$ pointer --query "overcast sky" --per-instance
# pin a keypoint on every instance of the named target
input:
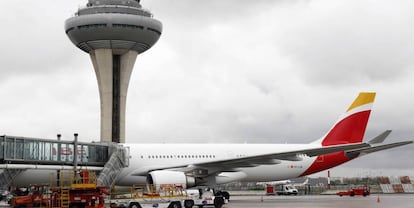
(223, 71)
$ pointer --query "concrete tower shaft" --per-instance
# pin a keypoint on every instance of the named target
(113, 32)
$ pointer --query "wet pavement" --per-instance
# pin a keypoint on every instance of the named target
(322, 201)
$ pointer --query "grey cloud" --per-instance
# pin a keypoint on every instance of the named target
(33, 38)
(350, 42)
(223, 71)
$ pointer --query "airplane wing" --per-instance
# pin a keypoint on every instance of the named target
(231, 165)
(376, 148)
(375, 145)
(356, 149)
(380, 138)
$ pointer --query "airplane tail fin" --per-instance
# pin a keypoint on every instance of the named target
(350, 128)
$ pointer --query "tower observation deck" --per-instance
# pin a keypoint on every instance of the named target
(113, 32)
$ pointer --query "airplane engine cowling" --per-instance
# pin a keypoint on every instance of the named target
(159, 178)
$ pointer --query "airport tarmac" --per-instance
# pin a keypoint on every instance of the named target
(321, 201)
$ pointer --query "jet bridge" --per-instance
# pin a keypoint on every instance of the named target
(18, 154)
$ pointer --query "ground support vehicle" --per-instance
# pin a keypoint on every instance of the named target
(159, 203)
(77, 190)
(143, 196)
(78, 196)
(206, 197)
(164, 196)
(286, 189)
(270, 190)
(37, 196)
(66, 190)
(356, 191)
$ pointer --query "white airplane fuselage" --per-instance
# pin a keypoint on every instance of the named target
(147, 157)
(160, 156)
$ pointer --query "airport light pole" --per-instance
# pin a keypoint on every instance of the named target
(113, 32)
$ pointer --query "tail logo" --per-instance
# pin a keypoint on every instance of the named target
(350, 128)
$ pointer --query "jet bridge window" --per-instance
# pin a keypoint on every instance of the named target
(19, 148)
(9, 150)
(97, 153)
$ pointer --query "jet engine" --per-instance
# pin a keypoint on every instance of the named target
(159, 178)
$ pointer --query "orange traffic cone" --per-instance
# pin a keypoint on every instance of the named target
(378, 199)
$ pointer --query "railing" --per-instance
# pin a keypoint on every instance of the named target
(149, 191)
(98, 9)
(119, 159)
(73, 179)
(22, 150)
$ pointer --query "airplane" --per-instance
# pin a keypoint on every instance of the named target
(264, 184)
(197, 165)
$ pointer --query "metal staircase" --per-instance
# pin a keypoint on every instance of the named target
(119, 159)
(7, 176)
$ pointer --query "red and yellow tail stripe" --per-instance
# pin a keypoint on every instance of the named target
(350, 128)
(364, 98)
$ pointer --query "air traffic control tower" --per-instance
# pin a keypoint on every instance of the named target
(113, 32)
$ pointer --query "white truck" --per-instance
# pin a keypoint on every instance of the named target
(286, 189)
